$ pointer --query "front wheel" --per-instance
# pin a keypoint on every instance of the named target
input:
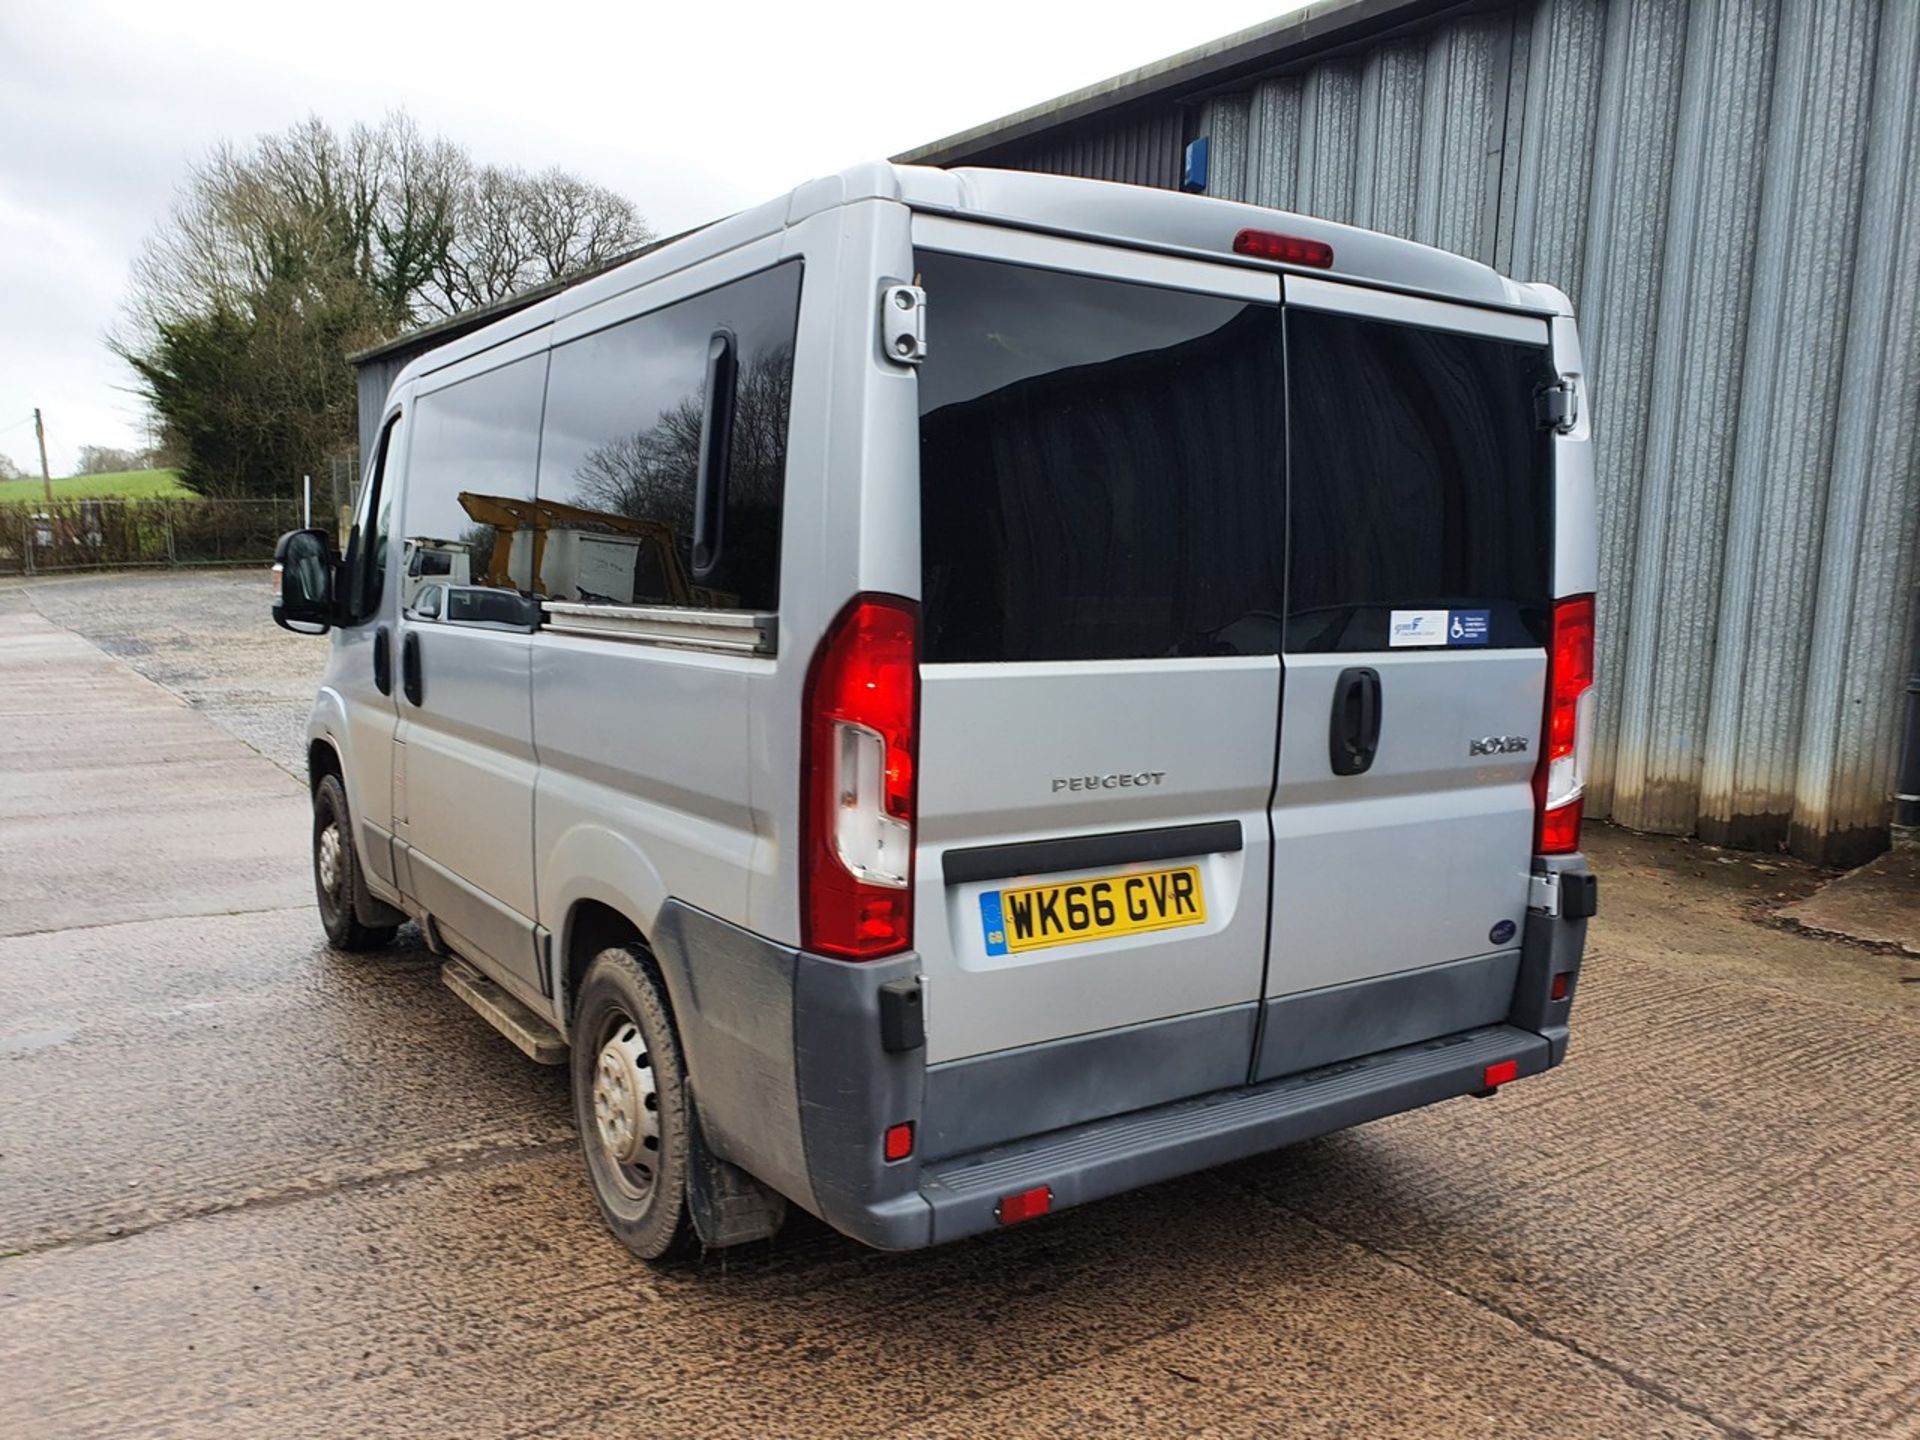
(335, 873)
(630, 1103)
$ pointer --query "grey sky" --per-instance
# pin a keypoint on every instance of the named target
(692, 110)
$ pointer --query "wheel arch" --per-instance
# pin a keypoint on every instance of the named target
(592, 924)
(327, 739)
(324, 759)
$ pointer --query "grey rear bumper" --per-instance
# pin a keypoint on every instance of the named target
(794, 1085)
(1087, 1162)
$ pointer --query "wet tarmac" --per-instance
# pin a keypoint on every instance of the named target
(250, 1186)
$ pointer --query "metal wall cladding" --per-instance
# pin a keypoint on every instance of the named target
(1729, 191)
(1146, 149)
(374, 379)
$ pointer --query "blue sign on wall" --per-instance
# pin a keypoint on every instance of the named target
(1193, 176)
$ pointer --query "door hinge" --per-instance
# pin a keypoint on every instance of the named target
(903, 323)
(1543, 892)
(1557, 406)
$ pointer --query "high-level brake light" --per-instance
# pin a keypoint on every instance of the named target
(1287, 249)
(862, 705)
(1560, 781)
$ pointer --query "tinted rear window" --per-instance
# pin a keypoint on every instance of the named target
(1419, 482)
(1101, 468)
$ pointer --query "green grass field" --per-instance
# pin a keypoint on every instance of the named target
(121, 485)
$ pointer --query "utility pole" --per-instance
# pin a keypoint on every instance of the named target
(40, 434)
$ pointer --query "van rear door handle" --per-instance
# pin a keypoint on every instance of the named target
(410, 681)
(383, 660)
(1353, 733)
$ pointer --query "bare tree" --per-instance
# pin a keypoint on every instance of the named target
(284, 256)
(107, 460)
(512, 231)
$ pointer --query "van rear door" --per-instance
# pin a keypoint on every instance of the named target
(1102, 535)
(1421, 544)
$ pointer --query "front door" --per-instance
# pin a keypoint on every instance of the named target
(361, 671)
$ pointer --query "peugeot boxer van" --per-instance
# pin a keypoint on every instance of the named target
(953, 694)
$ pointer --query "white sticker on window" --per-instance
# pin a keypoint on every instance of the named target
(1416, 627)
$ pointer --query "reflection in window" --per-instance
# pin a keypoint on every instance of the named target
(620, 453)
(470, 480)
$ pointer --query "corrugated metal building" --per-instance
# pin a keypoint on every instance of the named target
(1729, 190)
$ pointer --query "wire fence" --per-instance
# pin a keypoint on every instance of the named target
(38, 537)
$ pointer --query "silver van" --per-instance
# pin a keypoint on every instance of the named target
(957, 693)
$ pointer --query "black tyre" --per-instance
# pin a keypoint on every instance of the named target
(630, 1102)
(336, 874)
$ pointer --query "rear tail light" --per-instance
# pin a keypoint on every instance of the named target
(1560, 782)
(1287, 249)
(862, 708)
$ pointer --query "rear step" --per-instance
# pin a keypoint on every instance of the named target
(1105, 1157)
(538, 1040)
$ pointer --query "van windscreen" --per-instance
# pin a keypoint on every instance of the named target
(1101, 468)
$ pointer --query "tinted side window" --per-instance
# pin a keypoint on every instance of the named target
(367, 556)
(470, 473)
(620, 452)
(1100, 468)
(1419, 478)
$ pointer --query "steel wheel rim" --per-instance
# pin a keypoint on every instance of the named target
(327, 860)
(626, 1108)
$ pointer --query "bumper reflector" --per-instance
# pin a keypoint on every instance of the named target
(1500, 1072)
(1561, 983)
(898, 1144)
(1025, 1205)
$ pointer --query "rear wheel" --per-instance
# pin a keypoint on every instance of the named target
(335, 873)
(630, 1102)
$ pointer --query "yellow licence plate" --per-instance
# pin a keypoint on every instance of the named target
(1036, 916)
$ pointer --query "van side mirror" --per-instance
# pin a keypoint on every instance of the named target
(304, 568)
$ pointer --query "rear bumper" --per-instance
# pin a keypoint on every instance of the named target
(794, 1084)
(1106, 1157)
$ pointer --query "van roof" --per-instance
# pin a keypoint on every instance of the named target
(1198, 226)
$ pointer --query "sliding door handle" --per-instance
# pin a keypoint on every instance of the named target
(383, 660)
(410, 680)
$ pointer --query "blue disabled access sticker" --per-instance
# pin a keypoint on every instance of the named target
(1468, 627)
(992, 922)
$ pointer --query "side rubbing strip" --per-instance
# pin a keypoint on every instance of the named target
(1088, 852)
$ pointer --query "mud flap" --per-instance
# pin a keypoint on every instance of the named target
(729, 1206)
(368, 908)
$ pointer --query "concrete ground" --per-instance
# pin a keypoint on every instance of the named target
(250, 1186)
(1879, 903)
